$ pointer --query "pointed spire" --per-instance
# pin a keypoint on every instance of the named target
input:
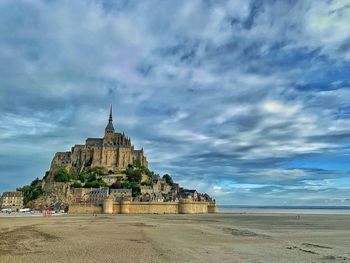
(110, 115)
(110, 121)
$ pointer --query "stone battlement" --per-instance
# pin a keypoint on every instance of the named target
(112, 207)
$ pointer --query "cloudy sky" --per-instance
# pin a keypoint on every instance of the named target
(246, 100)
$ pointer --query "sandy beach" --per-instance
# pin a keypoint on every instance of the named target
(176, 238)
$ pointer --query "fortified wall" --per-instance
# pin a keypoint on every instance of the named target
(112, 207)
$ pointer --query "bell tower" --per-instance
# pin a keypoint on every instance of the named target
(109, 130)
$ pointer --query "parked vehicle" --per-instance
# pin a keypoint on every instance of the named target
(24, 210)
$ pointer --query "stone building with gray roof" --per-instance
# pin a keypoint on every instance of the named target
(13, 200)
(114, 152)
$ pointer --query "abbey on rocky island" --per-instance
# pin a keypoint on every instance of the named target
(114, 152)
(107, 175)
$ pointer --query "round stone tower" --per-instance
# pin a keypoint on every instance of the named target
(108, 205)
(124, 207)
(185, 206)
(212, 208)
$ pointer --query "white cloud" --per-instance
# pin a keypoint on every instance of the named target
(328, 25)
(279, 108)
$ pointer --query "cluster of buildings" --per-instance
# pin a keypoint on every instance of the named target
(11, 200)
(158, 191)
(96, 196)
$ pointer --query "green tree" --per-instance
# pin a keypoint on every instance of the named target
(76, 185)
(32, 191)
(61, 175)
(134, 175)
(35, 182)
(73, 174)
(46, 174)
(168, 179)
(137, 163)
(135, 187)
(148, 172)
(36, 192)
(82, 176)
(92, 177)
(95, 184)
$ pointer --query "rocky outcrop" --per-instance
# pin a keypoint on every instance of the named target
(55, 194)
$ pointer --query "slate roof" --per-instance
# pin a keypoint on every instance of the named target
(12, 194)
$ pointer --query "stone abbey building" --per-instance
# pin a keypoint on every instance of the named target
(114, 152)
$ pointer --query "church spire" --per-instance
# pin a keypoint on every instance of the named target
(110, 116)
(110, 127)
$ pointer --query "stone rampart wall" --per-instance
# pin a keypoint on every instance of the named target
(212, 208)
(85, 209)
(145, 208)
(191, 207)
(110, 207)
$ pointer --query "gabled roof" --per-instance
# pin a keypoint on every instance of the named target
(120, 190)
(94, 139)
(12, 194)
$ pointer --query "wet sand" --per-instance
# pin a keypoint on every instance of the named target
(176, 238)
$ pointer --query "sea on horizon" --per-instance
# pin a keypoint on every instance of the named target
(341, 210)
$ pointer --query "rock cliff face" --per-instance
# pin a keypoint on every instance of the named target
(55, 194)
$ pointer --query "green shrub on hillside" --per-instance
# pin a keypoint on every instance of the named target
(46, 174)
(168, 179)
(137, 163)
(76, 185)
(61, 175)
(134, 175)
(96, 184)
(135, 187)
(147, 182)
(91, 177)
(82, 177)
(32, 191)
(35, 182)
(99, 170)
(73, 174)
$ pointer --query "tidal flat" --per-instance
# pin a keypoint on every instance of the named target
(176, 238)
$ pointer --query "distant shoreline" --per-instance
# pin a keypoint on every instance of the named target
(285, 209)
